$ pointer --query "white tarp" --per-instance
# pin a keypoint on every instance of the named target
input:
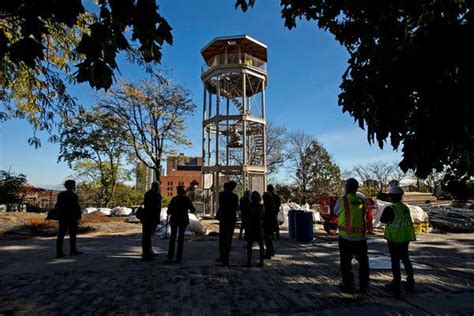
(418, 215)
(89, 210)
(286, 207)
(104, 211)
(121, 211)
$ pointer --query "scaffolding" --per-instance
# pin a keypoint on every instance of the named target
(234, 126)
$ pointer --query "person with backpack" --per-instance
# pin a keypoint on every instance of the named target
(69, 214)
(178, 220)
(150, 219)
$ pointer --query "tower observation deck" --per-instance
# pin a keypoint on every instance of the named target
(233, 122)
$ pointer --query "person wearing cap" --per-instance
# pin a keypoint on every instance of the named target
(69, 215)
(399, 232)
(227, 216)
(350, 209)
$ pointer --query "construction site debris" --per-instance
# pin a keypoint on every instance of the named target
(452, 219)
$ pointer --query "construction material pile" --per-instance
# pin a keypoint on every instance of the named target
(452, 219)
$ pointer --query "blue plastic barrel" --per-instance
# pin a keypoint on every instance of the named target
(304, 230)
(291, 223)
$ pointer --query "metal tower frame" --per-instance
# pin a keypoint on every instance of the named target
(233, 122)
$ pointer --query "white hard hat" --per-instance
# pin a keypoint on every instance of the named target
(395, 190)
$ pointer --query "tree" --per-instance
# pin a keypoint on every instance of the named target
(153, 116)
(13, 188)
(314, 172)
(325, 175)
(299, 163)
(375, 176)
(92, 135)
(90, 175)
(408, 77)
(40, 41)
(276, 147)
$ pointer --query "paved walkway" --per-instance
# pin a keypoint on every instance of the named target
(109, 278)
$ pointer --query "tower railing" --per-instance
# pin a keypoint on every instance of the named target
(234, 59)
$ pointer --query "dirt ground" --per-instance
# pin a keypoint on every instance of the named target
(29, 225)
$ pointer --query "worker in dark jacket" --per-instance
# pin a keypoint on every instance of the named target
(253, 228)
(277, 202)
(268, 224)
(179, 219)
(151, 218)
(227, 216)
(69, 216)
(244, 207)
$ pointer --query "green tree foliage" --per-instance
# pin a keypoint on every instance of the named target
(96, 181)
(325, 175)
(43, 43)
(153, 115)
(314, 172)
(92, 135)
(409, 74)
(12, 187)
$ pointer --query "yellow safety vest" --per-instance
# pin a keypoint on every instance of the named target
(401, 229)
(351, 217)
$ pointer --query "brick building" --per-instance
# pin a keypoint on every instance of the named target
(180, 170)
(41, 198)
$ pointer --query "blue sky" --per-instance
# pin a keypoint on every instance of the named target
(305, 66)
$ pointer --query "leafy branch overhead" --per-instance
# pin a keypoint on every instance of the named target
(100, 40)
(409, 74)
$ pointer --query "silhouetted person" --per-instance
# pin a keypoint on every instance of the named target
(244, 207)
(268, 224)
(69, 216)
(179, 219)
(277, 202)
(253, 228)
(350, 209)
(151, 218)
(399, 232)
(227, 216)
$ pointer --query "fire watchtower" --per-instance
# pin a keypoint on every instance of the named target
(234, 125)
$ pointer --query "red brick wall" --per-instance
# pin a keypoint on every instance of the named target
(178, 177)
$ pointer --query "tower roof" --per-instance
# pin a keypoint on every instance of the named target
(246, 43)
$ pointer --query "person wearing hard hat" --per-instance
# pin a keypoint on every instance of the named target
(399, 232)
(350, 209)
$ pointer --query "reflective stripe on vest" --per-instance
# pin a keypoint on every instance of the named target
(401, 229)
(351, 218)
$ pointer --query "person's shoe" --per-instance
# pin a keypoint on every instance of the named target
(148, 258)
(396, 291)
(75, 253)
(362, 291)
(260, 264)
(409, 287)
(346, 289)
(60, 255)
